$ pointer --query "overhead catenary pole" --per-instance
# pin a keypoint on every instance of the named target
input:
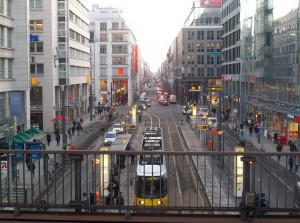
(63, 115)
(91, 103)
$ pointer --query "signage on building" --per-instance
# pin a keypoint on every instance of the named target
(33, 38)
(290, 116)
(226, 77)
(238, 172)
(15, 103)
(210, 3)
(297, 119)
(3, 166)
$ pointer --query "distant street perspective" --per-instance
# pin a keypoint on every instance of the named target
(91, 131)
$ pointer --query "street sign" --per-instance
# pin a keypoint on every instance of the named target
(3, 166)
(215, 88)
(129, 126)
(202, 127)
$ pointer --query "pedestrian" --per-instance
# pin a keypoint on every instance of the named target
(140, 118)
(57, 137)
(102, 131)
(78, 128)
(132, 157)
(291, 163)
(27, 160)
(297, 162)
(81, 121)
(120, 199)
(48, 137)
(110, 117)
(275, 137)
(279, 149)
(73, 129)
(70, 132)
(32, 168)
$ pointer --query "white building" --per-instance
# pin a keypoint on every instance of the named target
(115, 56)
(59, 59)
(14, 69)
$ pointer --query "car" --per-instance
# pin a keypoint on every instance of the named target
(212, 122)
(110, 137)
(185, 111)
(163, 102)
(147, 103)
(118, 127)
(202, 112)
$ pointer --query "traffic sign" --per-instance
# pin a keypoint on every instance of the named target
(129, 126)
(202, 127)
(215, 88)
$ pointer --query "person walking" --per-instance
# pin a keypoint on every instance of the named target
(140, 119)
(27, 160)
(48, 137)
(32, 168)
(297, 162)
(279, 149)
(70, 132)
(78, 128)
(132, 157)
(110, 117)
(291, 163)
(57, 138)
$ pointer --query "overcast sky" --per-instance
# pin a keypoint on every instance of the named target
(155, 23)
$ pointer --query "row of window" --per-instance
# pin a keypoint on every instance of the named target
(8, 8)
(114, 26)
(208, 47)
(229, 8)
(35, 4)
(205, 35)
(232, 39)
(202, 72)
(78, 54)
(5, 68)
(116, 49)
(115, 71)
(231, 23)
(78, 21)
(79, 6)
(79, 71)
(5, 38)
(78, 37)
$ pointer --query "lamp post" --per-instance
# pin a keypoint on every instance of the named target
(94, 163)
(8, 135)
(221, 133)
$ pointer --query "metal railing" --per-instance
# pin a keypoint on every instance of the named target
(198, 182)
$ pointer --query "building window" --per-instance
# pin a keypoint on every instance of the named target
(103, 37)
(103, 49)
(36, 4)
(210, 35)
(103, 26)
(210, 59)
(37, 69)
(103, 60)
(103, 71)
(36, 25)
(200, 35)
(200, 59)
(2, 101)
(36, 47)
(210, 71)
(119, 49)
(1, 68)
(200, 71)
(119, 60)
(115, 26)
(119, 37)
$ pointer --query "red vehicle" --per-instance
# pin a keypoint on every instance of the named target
(163, 102)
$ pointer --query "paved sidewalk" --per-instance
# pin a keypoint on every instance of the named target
(77, 140)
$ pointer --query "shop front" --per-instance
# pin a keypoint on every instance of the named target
(292, 127)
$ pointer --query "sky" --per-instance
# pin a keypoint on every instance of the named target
(155, 24)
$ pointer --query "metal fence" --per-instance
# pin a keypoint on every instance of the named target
(197, 182)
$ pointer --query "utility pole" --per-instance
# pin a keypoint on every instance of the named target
(91, 103)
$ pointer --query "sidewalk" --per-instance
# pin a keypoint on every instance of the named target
(37, 183)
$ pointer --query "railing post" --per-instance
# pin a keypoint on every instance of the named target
(77, 158)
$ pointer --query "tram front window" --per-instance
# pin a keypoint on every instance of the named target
(151, 187)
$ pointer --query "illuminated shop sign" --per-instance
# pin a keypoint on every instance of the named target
(210, 3)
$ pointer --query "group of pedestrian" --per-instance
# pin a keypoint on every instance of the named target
(115, 196)
(294, 162)
(77, 126)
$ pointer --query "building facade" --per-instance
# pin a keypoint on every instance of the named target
(14, 69)
(59, 61)
(194, 59)
(118, 68)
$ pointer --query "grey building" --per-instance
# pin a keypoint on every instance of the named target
(195, 56)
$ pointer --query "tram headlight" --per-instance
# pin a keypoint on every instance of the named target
(160, 202)
(141, 202)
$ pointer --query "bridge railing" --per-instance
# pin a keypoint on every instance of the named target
(196, 182)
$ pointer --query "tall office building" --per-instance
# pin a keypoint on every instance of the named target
(59, 61)
(14, 68)
(195, 56)
(117, 63)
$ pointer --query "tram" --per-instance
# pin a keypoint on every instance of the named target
(151, 188)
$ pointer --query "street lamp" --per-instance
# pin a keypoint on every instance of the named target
(221, 133)
(94, 163)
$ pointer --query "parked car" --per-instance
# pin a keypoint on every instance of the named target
(185, 111)
(118, 127)
(110, 137)
(147, 103)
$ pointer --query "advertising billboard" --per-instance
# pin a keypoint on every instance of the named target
(210, 3)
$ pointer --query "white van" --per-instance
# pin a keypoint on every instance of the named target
(172, 99)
